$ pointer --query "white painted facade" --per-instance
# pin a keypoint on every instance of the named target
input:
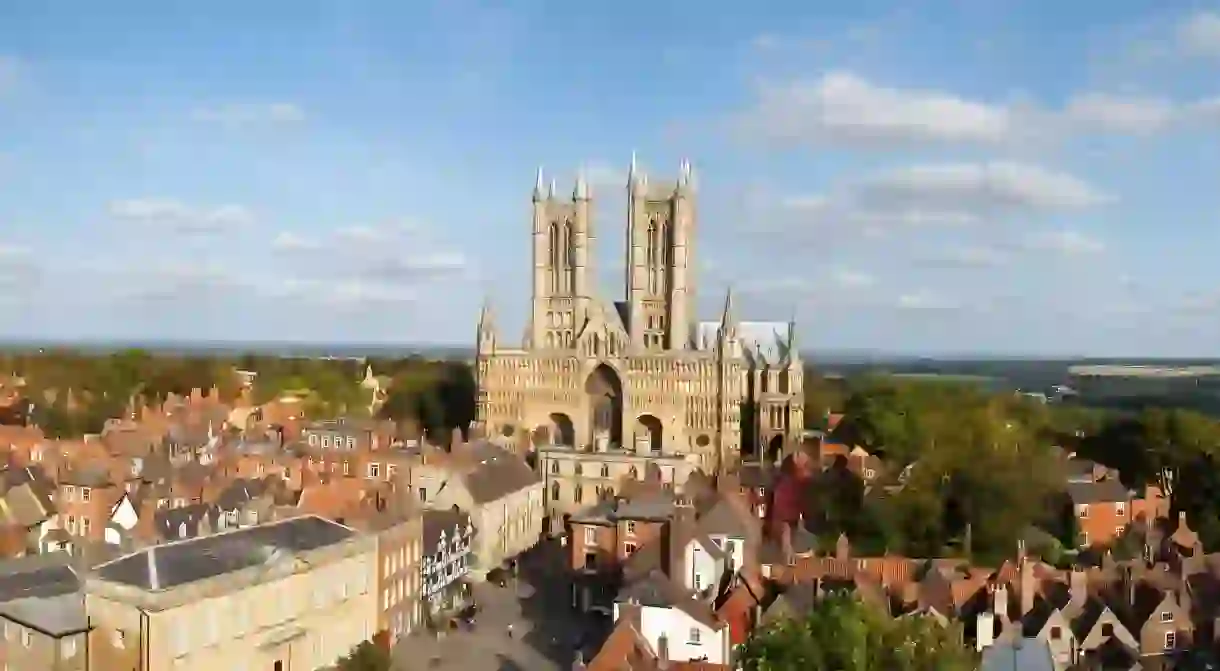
(685, 637)
(123, 516)
(703, 568)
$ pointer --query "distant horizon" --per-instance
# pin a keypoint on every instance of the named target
(358, 348)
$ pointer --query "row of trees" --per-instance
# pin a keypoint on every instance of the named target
(74, 393)
(964, 472)
(842, 633)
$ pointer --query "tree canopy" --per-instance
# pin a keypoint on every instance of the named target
(842, 633)
(367, 656)
(965, 472)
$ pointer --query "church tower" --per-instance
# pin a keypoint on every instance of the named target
(562, 237)
(660, 236)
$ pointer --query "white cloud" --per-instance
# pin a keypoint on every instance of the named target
(844, 109)
(925, 300)
(246, 114)
(1199, 34)
(292, 242)
(852, 279)
(980, 187)
(965, 257)
(346, 293)
(363, 234)
(1067, 242)
(1130, 115)
(176, 216)
(841, 107)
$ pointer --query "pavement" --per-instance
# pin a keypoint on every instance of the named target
(545, 629)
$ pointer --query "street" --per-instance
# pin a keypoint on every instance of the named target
(545, 629)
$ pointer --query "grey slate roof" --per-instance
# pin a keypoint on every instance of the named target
(1108, 490)
(43, 592)
(497, 474)
(210, 556)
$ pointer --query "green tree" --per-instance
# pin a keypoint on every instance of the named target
(367, 656)
(844, 634)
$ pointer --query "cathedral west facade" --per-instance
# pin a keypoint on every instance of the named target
(641, 375)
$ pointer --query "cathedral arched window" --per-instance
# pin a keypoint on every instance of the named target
(578, 494)
(783, 382)
(605, 471)
(652, 243)
(555, 467)
(554, 491)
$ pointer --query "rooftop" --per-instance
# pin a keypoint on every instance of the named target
(43, 592)
(175, 564)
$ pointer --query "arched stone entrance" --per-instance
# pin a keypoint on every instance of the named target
(561, 429)
(605, 392)
(648, 434)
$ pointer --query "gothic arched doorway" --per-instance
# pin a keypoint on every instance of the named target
(605, 392)
(775, 449)
(562, 432)
(648, 434)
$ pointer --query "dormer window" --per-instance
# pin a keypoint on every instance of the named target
(1166, 616)
(1120, 508)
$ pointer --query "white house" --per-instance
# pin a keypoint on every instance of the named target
(678, 625)
(717, 548)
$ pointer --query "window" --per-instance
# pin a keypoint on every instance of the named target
(423, 494)
(118, 638)
(84, 526)
(590, 536)
(72, 523)
(629, 549)
(1107, 629)
(313, 439)
(698, 582)
(1082, 511)
(347, 468)
(1166, 616)
(85, 492)
(351, 443)
(1171, 640)
(182, 530)
(631, 528)
(869, 474)
(605, 471)
(374, 470)
(69, 492)
(694, 636)
(578, 493)
(1120, 508)
(1056, 633)
(554, 491)
(27, 638)
(555, 467)
(326, 441)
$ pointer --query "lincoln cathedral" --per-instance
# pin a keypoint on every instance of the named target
(641, 374)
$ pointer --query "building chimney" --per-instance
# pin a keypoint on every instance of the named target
(663, 651)
(1078, 587)
(154, 581)
(984, 630)
(1026, 585)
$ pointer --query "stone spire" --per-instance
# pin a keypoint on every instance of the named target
(581, 191)
(538, 186)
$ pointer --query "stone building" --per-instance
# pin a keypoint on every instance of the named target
(641, 373)
(296, 594)
(500, 492)
(577, 479)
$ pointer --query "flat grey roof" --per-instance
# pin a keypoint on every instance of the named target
(174, 564)
(44, 593)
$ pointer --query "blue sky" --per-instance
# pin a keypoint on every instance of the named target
(976, 176)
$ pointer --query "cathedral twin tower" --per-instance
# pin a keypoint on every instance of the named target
(638, 374)
(660, 222)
